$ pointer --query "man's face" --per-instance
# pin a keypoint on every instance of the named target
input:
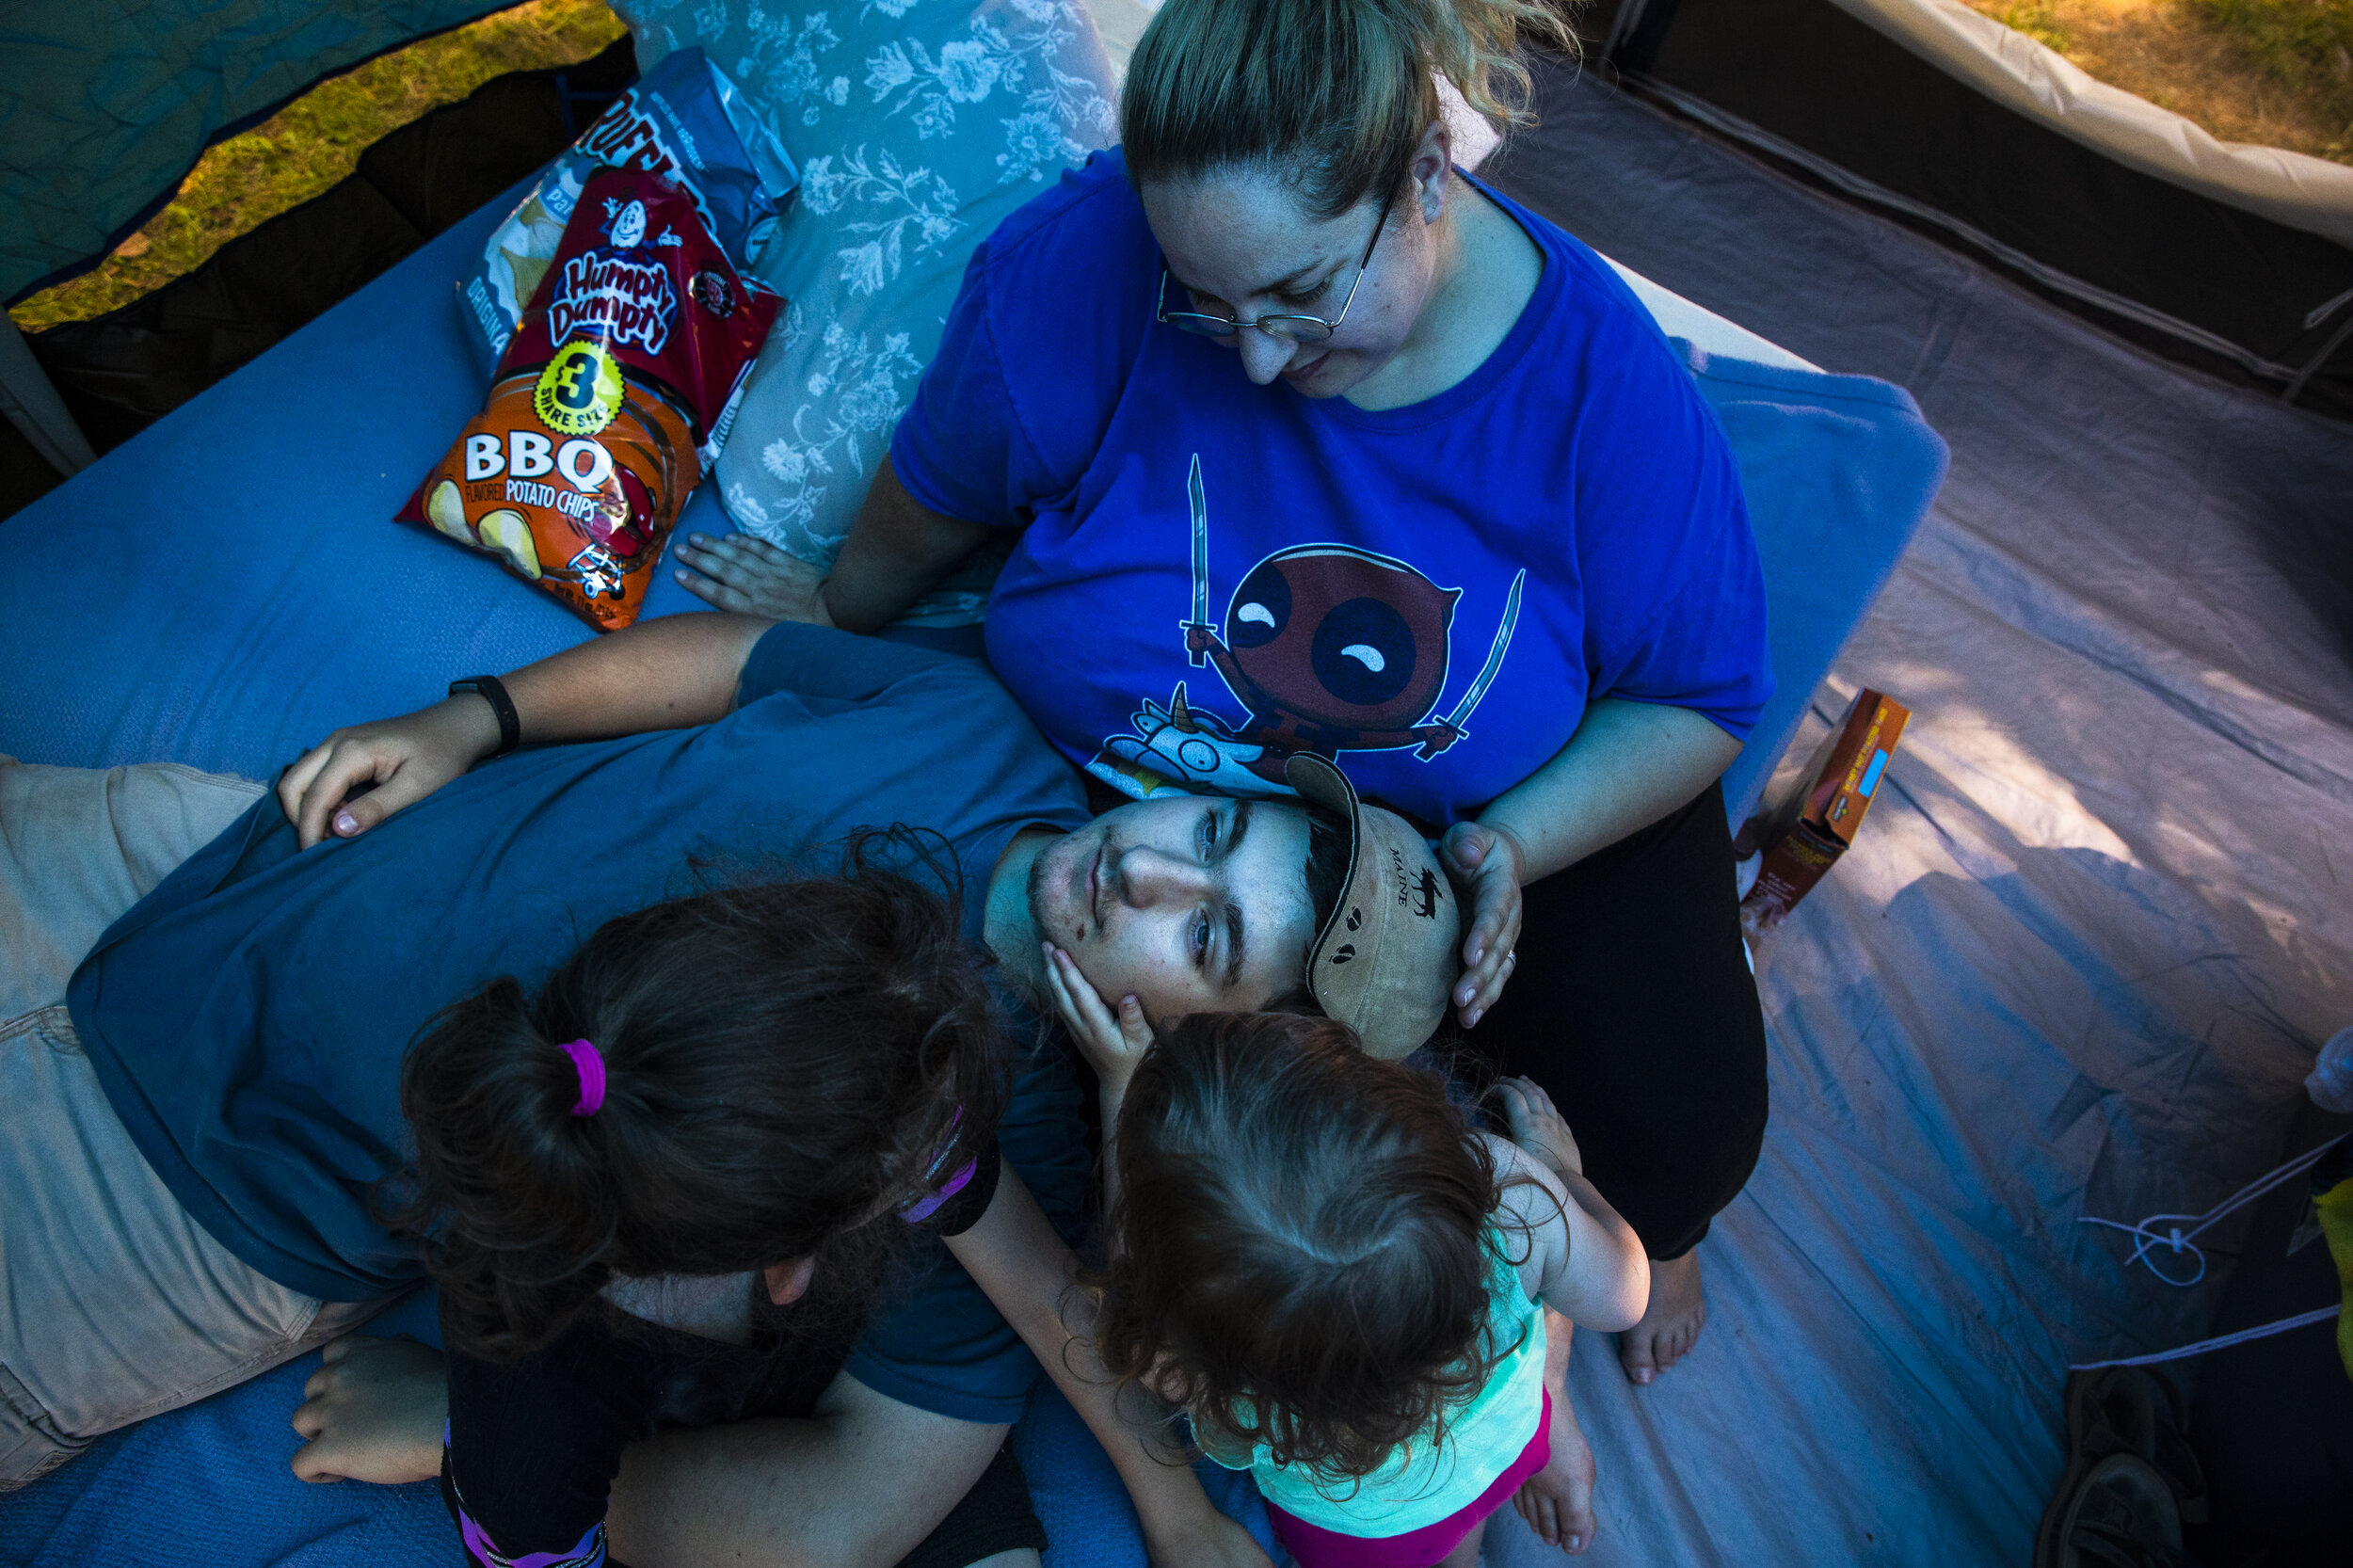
(1187, 904)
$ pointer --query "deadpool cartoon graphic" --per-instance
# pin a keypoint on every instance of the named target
(1328, 647)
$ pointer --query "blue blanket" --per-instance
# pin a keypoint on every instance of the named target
(227, 588)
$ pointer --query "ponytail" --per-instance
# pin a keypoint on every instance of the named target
(783, 1064)
(488, 1098)
(1332, 95)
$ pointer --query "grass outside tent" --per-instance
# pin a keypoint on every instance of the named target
(2274, 72)
(316, 140)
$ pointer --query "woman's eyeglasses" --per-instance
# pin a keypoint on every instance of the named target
(1285, 326)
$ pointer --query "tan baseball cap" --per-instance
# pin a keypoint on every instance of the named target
(1386, 961)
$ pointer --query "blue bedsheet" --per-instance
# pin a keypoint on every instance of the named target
(213, 1484)
(228, 586)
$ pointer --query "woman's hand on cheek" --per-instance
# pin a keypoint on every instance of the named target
(1484, 865)
(1113, 1042)
(751, 577)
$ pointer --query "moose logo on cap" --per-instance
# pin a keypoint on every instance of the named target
(1418, 889)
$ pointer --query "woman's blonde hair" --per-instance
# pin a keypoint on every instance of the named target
(1332, 96)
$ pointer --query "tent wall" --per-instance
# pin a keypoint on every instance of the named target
(118, 372)
(107, 105)
(2303, 192)
(1810, 86)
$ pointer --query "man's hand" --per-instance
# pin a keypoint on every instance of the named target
(397, 763)
(1112, 1043)
(1207, 1539)
(1485, 865)
(751, 577)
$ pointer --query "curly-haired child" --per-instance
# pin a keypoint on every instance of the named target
(1340, 1280)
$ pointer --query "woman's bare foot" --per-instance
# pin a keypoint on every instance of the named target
(1558, 1500)
(374, 1413)
(1671, 1324)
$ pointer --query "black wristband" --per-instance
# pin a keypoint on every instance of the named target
(491, 692)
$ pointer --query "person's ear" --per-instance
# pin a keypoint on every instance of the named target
(1433, 159)
(788, 1281)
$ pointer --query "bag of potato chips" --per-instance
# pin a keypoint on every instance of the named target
(609, 404)
(684, 118)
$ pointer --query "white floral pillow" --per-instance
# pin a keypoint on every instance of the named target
(918, 126)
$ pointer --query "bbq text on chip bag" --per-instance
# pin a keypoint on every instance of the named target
(612, 399)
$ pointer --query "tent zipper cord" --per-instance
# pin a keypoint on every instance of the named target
(2318, 1315)
(2179, 1241)
(2336, 341)
(1733, 128)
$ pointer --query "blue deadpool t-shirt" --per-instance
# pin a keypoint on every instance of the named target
(1216, 574)
(248, 1017)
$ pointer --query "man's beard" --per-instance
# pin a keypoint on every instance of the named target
(1083, 912)
(1027, 978)
(1034, 888)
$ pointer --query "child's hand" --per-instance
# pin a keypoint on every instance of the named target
(1112, 1042)
(1537, 1127)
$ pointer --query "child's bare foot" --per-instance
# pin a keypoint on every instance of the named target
(374, 1413)
(1671, 1324)
(1538, 1127)
(1558, 1500)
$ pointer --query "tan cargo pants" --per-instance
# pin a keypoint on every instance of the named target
(114, 1304)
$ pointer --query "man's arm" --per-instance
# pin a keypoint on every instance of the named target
(858, 1485)
(662, 674)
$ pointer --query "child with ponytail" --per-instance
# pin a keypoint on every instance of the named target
(664, 1188)
(1343, 1284)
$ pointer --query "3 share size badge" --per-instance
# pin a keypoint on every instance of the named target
(580, 390)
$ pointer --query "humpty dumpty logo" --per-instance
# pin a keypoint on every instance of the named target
(1329, 647)
(628, 229)
(605, 291)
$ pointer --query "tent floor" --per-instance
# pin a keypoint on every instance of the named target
(2090, 940)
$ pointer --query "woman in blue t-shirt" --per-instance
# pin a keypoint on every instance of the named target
(1317, 443)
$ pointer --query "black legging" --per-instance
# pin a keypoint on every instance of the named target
(1633, 1005)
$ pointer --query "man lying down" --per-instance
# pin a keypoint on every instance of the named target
(192, 1190)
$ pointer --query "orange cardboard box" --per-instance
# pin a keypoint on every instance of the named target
(1816, 825)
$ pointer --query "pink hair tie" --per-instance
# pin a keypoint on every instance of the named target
(590, 1066)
